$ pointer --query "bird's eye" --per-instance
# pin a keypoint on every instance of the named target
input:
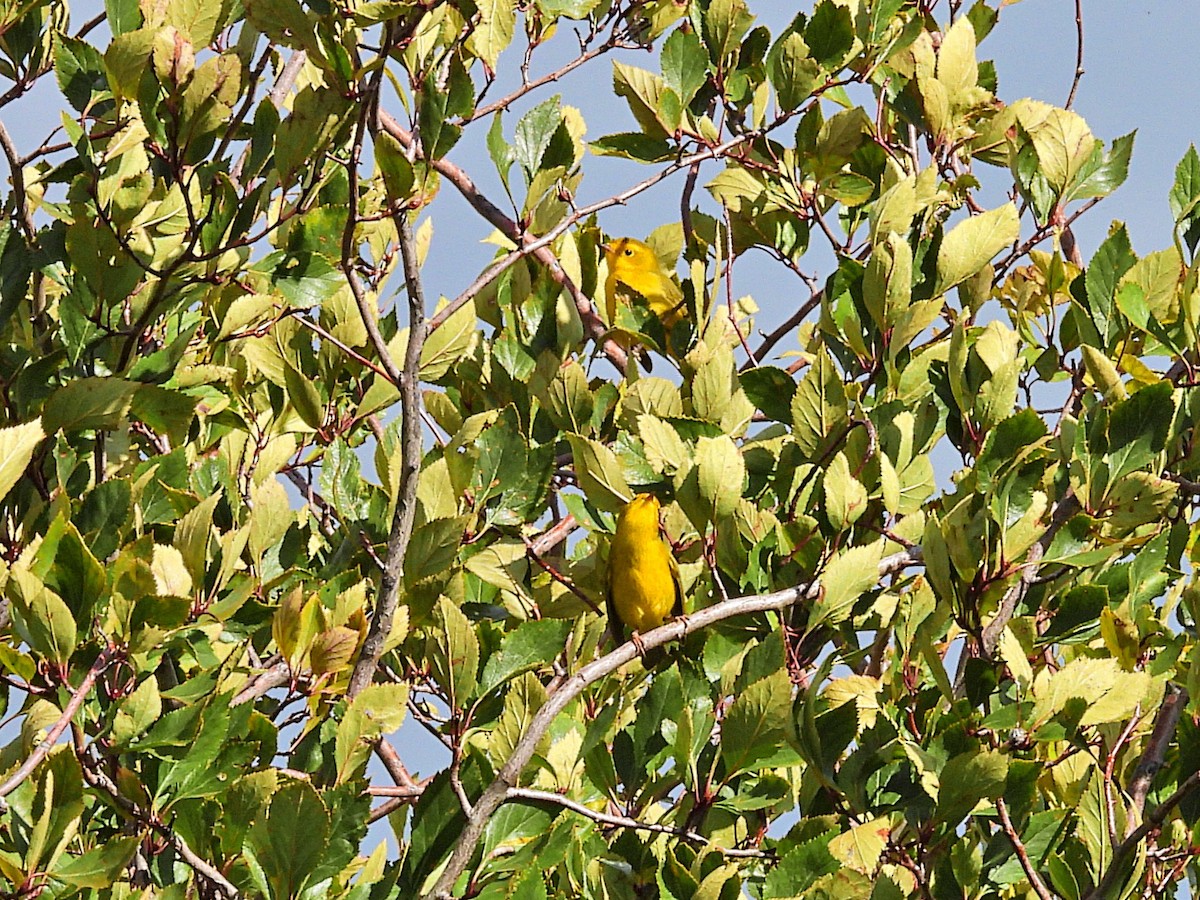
(629, 251)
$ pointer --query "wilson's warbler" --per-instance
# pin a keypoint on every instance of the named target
(633, 268)
(643, 577)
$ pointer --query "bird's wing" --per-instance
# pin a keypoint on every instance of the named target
(677, 607)
(615, 625)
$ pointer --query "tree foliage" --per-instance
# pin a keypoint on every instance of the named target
(273, 498)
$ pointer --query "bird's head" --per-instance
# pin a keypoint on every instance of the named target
(641, 507)
(629, 255)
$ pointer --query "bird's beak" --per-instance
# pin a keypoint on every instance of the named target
(607, 248)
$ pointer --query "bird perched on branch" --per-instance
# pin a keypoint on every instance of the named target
(643, 577)
(634, 270)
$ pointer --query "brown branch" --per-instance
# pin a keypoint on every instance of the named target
(345, 348)
(506, 102)
(276, 676)
(1154, 820)
(1027, 866)
(788, 324)
(560, 577)
(1165, 723)
(24, 214)
(554, 535)
(508, 776)
(410, 468)
(535, 796)
(97, 778)
(404, 793)
(107, 657)
(989, 638)
(1078, 54)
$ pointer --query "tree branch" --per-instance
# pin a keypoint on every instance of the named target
(410, 469)
(1078, 54)
(1027, 866)
(535, 796)
(1165, 723)
(276, 676)
(497, 792)
(1154, 820)
(107, 657)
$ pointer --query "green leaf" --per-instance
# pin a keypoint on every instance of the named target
(600, 474)
(290, 840)
(525, 696)
(830, 33)
(534, 132)
(376, 710)
(725, 24)
(1104, 172)
(793, 72)
(684, 64)
(972, 244)
(41, 617)
(818, 406)
(1138, 429)
(16, 449)
(454, 652)
(642, 90)
(968, 778)
(851, 573)
(757, 724)
(97, 868)
(79, 70)
(304, 397)
(494, 32)
(845, 495)
(634, 145)
(395, 166)
(770, 390)
(528, 646)
(88, 403)
(710, 491)
(502, 153)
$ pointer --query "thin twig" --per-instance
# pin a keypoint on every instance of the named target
(535, 796)
(506, 102)
(1078, 53)
(1035, 879)
(791, 322)
(107, 657)
(497, 792)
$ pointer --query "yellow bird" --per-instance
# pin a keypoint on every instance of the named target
(633, 268)
(643, 577)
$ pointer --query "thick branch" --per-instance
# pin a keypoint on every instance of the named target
(410, 468)
(497, 792)
(1165, 723)
(106, 658)
(1121, 853)
(276, 676)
